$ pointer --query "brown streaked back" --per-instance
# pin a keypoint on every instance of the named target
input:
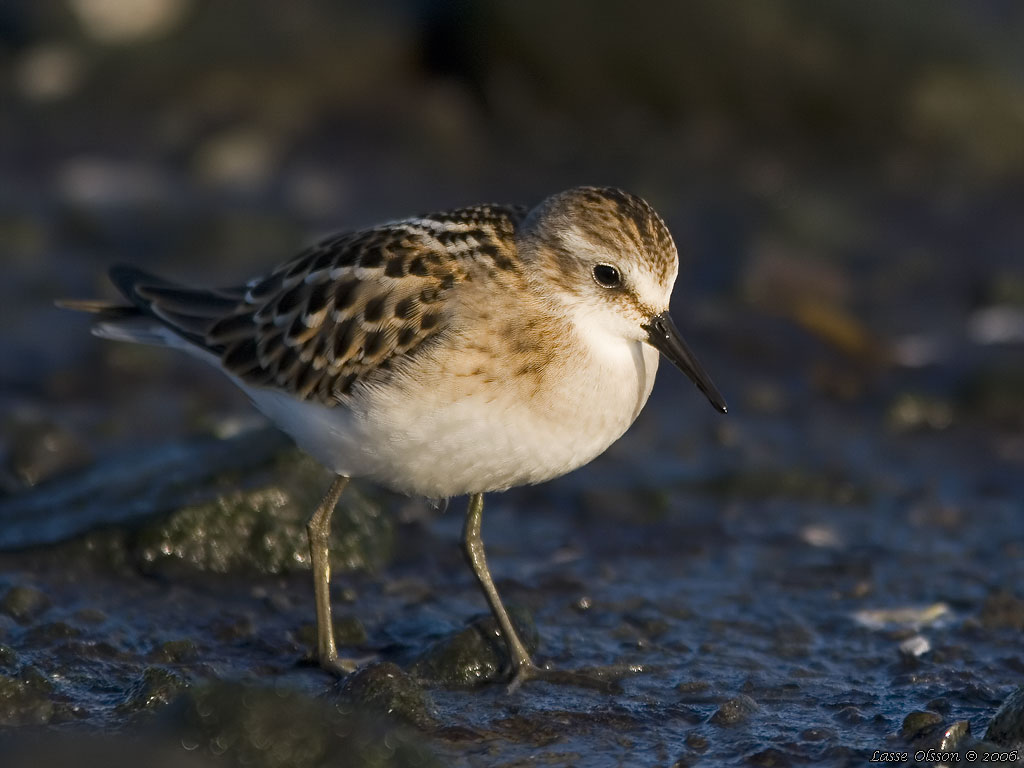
(341, 312)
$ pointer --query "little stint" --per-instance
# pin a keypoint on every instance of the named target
(452, 353)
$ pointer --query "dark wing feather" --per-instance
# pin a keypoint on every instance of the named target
(341, 312)
(189, 312)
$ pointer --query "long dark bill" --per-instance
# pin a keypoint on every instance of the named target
(663, 335)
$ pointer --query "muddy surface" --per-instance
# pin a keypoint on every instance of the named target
(772, 616)
(831, 570)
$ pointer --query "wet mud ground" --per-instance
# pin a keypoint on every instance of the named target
(858, 596)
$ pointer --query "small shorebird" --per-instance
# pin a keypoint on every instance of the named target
(452, 353)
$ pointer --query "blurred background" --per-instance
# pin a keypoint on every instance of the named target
(844, 180)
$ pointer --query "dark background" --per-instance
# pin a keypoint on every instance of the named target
(853, 169)
(844, 180)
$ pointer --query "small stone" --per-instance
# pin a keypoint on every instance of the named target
(940, 705)
(697, 742)
(474, 655)
(734, 711)
(954, 735)
(917, 723)
(385, 688)
(22, 703)
(156, 688)
(583, 604)
(263, 530)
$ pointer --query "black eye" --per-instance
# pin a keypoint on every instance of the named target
(607, 276)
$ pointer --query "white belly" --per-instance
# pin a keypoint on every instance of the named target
(428, 439)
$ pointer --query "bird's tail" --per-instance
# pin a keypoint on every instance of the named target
(160, 313)
(122, 323)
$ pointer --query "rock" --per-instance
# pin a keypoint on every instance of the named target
(386, 689)
(1007, 726)
(918, 723)
(264, 530)
(24, 703)
(697, 742)
(476, 654)
(155, 689)
(954, 735)
(734, 711)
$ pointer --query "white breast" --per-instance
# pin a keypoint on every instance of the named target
(441, 438)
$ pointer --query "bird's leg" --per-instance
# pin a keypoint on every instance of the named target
(319, 530)
(523, 668)
(474, 548)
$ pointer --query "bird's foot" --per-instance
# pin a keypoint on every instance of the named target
(341, 667)
(529, 672)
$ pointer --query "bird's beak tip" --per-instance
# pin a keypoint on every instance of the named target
(665, 337)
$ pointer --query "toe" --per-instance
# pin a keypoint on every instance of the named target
(530, 672)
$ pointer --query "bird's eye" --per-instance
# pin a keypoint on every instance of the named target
(607, 276)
